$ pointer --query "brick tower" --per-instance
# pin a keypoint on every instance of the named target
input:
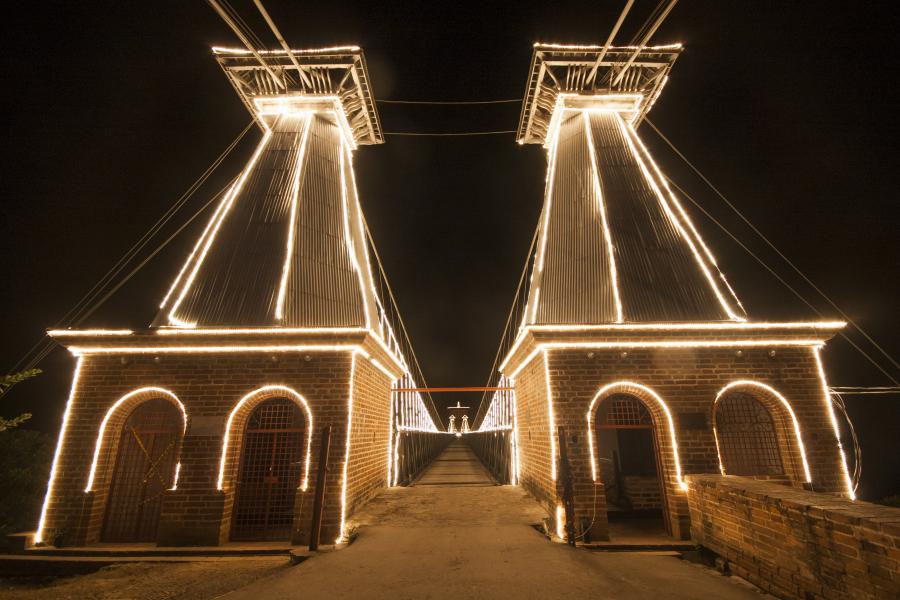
(205, 427)
(632, 340)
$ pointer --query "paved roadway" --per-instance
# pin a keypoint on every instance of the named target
(457, 535)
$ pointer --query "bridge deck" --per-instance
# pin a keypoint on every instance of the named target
(456, 534)
(457, 465)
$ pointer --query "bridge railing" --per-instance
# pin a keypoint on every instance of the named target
(495, 442)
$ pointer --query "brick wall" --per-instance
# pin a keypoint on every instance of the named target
(370, 440)
(209, 386)
(797, 544)
(534, 434)
(688, 381)
(643, 492)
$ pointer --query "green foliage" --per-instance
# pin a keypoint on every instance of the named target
(6, 382)
(25, 457)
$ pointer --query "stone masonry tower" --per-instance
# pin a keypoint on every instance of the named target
(632, 339)
(205, 427)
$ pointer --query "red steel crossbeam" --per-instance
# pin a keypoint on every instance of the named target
(454, 389)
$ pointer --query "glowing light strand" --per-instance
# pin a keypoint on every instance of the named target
(235, 190)
(342, 534)
(267, 391)
(51, 483)
(595, 176)
(551, 418)
(149, 392)
(628, 387)
(674, 219)
(848, 482)
(292, 220)
(683, 213)
(787, 405)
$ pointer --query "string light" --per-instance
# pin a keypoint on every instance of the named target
(654, 344)
(51, 484)
(149, 391)
(613, 274)
(86, 332)
(701, 326)
(848, 482)
(555, 46)
(627, 387)
(560, 522)
(682, 212)
(226, 50)
(674, 219)
(342, 534)
(771, 391)
(351, 250)
(292, 222)
(269, 391)
(226, 207)
(551, 418)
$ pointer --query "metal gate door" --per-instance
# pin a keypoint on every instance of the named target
(269, 474)
(145, 467)
(746, 435)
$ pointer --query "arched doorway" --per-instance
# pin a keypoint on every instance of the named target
(629, 467)
(146, 464)
(745, 432)
(271, 465)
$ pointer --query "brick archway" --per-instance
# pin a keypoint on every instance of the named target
(663, 424)
(232, 440)
(675, 510)
(106, 448)
(787, 428)
(111, 428)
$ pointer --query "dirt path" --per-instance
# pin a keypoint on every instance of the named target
(149, 581)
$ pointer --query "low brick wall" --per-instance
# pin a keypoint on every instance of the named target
(794, 543)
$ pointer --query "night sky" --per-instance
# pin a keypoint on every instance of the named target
(112, 109)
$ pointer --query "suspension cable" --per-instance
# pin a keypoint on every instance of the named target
(396, 309)
(509, 318)
(49, 345)
(778, 277)
(771, 245)
(96, 289)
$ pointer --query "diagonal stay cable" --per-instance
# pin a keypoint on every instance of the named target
(779, 278)
(771, 245)
(396, 309)
(49, 345)
(512, 310)
(96, 289)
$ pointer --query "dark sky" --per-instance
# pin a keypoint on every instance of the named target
(112, 109)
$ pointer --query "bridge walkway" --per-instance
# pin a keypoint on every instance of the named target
(455, 533)
(456, 466)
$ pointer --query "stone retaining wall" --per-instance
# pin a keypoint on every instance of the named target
(797, 544)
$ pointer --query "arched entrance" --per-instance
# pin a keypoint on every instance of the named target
(270, 471)
(745, 432)
(629, 465)
(146, 464)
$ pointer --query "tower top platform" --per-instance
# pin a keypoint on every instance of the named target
(337, 74)
(559, 73)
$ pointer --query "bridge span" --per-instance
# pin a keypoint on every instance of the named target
(456, 533)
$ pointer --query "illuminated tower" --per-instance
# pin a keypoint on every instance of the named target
(270, 331)
(631, 337)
